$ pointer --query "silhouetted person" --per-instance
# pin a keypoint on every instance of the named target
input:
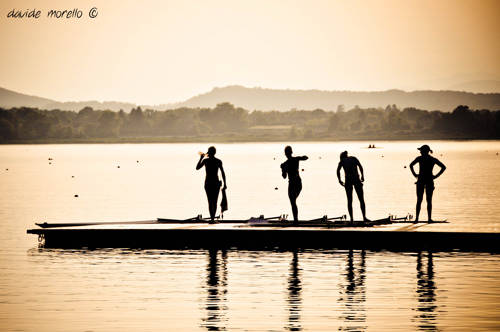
(425, 178)
(212, 182)
(350, 165)
(290, 168)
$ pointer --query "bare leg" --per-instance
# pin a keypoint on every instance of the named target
(359, 192)
(212, 197)
(295, 210)
(293, 193)
(429, 190)
(348, 191)
(212, 208)
(420, 197)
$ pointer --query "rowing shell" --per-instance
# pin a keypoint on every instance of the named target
(259, 221)
(340, 223)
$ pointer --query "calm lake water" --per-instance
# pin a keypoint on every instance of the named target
(234, 290)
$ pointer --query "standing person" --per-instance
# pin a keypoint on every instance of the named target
(350, 165)
(290, 168)
(425, 178)
(212, 182)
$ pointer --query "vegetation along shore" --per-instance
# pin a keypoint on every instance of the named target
(228, 123)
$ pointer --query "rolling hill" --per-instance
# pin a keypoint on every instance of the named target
(9, 99)
(282, 100)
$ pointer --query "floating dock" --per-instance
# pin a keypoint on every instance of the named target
(227, 235)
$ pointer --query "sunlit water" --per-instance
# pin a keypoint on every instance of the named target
(120, 289)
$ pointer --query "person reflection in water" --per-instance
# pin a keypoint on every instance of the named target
(294, 294)
(425, 178)
(426, 291)
(212, 182)
(350, 165)
(353, 296)
(216, 291)
(290, 168)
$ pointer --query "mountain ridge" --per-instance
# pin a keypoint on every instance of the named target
(264, 99)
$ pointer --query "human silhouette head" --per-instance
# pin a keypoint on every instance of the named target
(424, 149)
(343, 155)
(211, 151)
(288, 151)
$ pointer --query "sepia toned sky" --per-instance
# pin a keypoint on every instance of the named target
(153, 52)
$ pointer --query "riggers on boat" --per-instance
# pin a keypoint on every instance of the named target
(278, 221)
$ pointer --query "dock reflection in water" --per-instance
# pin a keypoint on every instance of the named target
(297, 290)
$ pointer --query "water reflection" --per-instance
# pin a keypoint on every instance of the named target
(353, 294)
(294, 295)
(217, 291)
(426, 294)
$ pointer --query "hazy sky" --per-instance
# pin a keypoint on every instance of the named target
(154, 52)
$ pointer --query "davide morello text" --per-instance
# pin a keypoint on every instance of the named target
(68, 14)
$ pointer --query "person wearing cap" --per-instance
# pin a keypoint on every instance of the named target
(290, 168)
(425, 178)
(350, 164)
(212, 182)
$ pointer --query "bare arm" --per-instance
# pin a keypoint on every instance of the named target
(283, 171)
(223, 175)
(411, 168)
(361, 170)
(441, 171)
(338, 174)
(303, 158)
(201, 162)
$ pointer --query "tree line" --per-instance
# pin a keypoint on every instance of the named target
(226, 120)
